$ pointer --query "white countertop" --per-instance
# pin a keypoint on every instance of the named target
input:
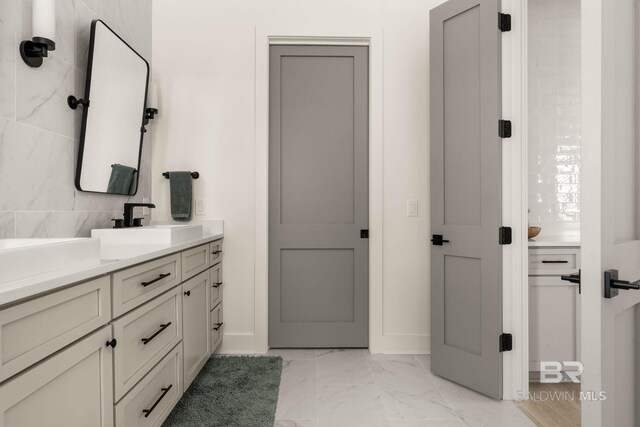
(555, 241)
(113, 258)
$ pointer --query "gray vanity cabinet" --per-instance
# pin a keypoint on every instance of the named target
(195, 337)
(118, 349)
(74, 388)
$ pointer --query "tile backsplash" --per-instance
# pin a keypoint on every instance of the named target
(39, 132)
(554, 112)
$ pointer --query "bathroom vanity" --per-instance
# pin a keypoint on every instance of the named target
(110, 343)
(554, 304)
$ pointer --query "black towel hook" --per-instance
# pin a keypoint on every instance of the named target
(194, 175)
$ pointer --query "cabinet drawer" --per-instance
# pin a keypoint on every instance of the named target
(215, 251)
(216, 326)
(33, 330)
(553, 261)
(194, 261)
(71, 389)
(136, 285)
(151, 400)
(144, 336)
(215, 275)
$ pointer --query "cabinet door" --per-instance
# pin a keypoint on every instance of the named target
(72, 389)
(554, 310)
(195, 323)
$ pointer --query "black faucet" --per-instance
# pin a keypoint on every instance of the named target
(128, 213)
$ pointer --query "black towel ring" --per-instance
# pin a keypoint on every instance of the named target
(194, 175)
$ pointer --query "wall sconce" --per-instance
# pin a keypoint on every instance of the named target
(43, 33)
(152, 102)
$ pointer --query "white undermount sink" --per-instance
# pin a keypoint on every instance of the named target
(148, 235)
(22, 258)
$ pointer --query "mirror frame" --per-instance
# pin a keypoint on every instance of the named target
(87, 108)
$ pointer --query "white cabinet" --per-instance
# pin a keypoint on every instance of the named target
(216, 324)
(144, 336)
(194, 261)
(195, 336)
(151, 400)
(158, 320)
(74, 388)
(33, 330)
(554, 306)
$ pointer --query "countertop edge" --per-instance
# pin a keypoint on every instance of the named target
(16, 291)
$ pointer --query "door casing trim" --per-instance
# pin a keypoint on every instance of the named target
(368, 36)
(515, 189)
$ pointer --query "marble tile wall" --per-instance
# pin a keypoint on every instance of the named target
(554, 112)
(39, 132)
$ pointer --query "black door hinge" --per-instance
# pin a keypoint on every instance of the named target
(506, 342)
(504, 128)
(504, 22)
(504, 235)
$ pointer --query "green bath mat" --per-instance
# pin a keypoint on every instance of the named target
(231, 391)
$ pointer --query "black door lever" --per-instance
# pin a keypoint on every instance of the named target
(574, 278)
(612, 284)
(438, 240)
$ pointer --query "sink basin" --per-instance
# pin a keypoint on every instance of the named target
(148, 235)
(22, 258)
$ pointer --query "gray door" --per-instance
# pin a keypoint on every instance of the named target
(466, 272)
(318, 196)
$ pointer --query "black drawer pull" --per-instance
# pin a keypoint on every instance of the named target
(155, 334)
(112, 343)
(188, 293)
(216, 252)
(217, 285)
(219, 325)
(164, 391)
(151, 282)
(544, 261)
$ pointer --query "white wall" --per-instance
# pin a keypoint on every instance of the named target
(554, 115)
(204, 56)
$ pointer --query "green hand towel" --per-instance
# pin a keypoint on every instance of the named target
(180, 184)
(122, 179)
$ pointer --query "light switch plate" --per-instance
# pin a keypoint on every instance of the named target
(201, 207)
(412, 207)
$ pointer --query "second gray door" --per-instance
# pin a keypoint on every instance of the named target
(318, 196)
(466, 188)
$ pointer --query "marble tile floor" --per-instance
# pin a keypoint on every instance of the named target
(353, 388)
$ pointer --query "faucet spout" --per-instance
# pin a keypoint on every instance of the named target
(128, 212)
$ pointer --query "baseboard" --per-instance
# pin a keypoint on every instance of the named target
(240, 344)
(401, 344)
(386, 344)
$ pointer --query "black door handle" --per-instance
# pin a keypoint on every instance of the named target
(612, 284)
(188, 293)
(216, 252)
(438, 240)
(218, 325)
(574, 278)
(544, 261)
(217, 284)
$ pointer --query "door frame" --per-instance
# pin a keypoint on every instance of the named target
(515, 195)
(325, 35)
